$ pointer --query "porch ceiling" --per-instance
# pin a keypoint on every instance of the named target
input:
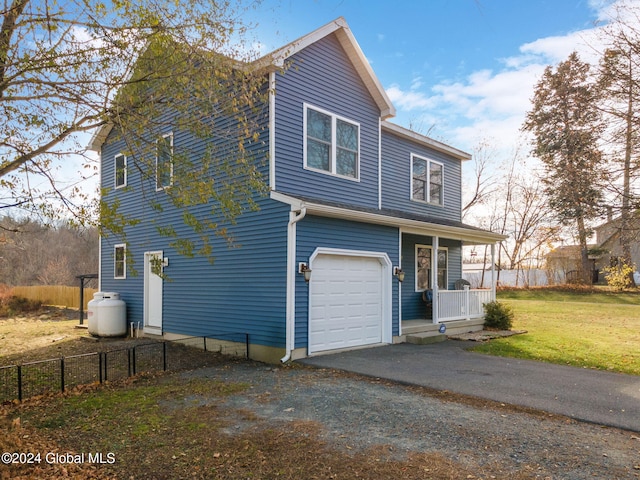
(406, 222)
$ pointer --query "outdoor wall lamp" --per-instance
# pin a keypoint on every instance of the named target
(304, 269)
(397, 271)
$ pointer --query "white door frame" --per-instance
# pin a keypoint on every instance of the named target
(153, 298)
(386, 278)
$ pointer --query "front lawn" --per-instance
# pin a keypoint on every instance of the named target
(592, 330)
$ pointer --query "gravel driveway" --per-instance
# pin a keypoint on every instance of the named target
(358, 412)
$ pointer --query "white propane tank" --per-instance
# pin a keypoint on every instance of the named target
(93, 312)
(112, 321)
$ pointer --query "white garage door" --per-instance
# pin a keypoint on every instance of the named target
(345, 302)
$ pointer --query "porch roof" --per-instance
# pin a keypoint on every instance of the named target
(406, 221)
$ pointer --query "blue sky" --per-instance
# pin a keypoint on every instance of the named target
(460, 71)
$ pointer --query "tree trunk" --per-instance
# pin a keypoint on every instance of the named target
(585, 266)
(625, 224)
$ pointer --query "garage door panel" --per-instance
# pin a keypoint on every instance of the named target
(345, 300)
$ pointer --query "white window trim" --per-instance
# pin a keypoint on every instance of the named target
(332, 160)
(429, 162)
(115, 171)
(115, 249)
(430, 247)
(162, 187)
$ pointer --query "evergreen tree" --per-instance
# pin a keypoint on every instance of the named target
(566, 125)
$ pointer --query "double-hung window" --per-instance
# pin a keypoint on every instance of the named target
(426, 180)
(332, 143)
(120, 171)
(424, 267)
(120, 261)
(164, 161)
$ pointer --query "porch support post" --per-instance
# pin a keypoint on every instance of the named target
(435, 244)
(467, 302)
(493, 272)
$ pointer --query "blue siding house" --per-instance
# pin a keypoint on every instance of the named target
(358, 243)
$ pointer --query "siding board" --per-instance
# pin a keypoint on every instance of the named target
(396, 179)
(313, 232)
(322, 76)
(244, 290)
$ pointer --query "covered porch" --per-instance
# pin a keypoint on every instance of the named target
(434, 298)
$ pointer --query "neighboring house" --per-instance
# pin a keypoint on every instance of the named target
(379, 205)
(609, 245)
(563, 263)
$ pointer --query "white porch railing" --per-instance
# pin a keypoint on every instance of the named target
(462, 304)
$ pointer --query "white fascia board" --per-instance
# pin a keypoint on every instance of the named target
(281, 197)
(277, 59)
(363, 67)
(470, 236)
(99, 136)
(426, 141)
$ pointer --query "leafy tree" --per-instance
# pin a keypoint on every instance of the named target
(566, 127)
(32, 253)
(617, 275)
(619, 79)
(136, 67)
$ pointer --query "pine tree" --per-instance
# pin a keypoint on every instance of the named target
(566, 126)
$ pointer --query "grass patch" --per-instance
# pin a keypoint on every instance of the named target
(598, 330)
(115, 419)
(588, 295)
(20, 335)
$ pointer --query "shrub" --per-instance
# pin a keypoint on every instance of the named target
(619, 276)
(498, 315)
(14, 305)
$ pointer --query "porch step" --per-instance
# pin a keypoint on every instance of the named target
(425, 338)
(415, 327)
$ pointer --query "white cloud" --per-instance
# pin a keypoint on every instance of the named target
(493, 103)
(409, 100)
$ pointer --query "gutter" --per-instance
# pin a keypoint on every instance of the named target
(294, 217)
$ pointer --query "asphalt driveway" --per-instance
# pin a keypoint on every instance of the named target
(604, 398)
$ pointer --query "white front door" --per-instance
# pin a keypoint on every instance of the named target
(152, 293)
(345, 302)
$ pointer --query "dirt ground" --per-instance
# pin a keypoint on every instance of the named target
(237, 419)
(51, 327)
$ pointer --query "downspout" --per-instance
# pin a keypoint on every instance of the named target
(294, 217)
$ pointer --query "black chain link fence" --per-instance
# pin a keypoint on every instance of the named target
(18, 382)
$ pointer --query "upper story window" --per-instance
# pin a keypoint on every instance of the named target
(426, 180)
(120, 261)
(332, 144)
(120, 171)
(164, 161)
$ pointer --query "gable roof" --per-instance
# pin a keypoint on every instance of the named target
(277, 59)
(341, 30)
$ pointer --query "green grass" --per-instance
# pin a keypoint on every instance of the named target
(597, 330)
(598, 295)
(128, 414)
